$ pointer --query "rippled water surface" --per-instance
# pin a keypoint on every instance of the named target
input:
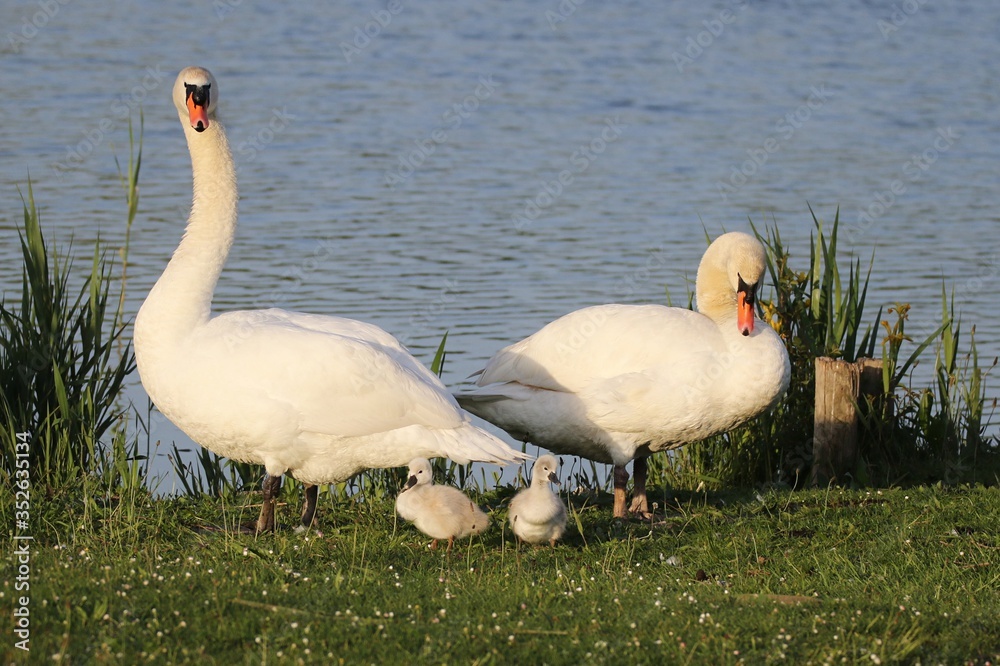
(401, 163)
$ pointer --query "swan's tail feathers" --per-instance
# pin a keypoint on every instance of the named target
(497, 392)
(478, 445)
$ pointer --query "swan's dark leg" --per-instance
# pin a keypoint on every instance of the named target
(621, 482)
(640, 504)
(309, 508)
(272, 485)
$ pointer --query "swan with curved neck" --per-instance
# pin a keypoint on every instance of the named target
(615, 383)
(318, 397)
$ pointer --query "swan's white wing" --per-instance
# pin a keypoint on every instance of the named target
(335, 376)
(609, 368)
(312, 322)
(687, 397)
(600, 343)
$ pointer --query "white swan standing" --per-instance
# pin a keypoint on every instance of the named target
(614, 383)
(320, 398)
(536, 513)
(440, 512)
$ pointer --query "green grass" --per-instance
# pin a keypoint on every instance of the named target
(875, 576)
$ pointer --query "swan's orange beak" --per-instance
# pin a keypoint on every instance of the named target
(198, 113)
(745, 296)
(744, 313)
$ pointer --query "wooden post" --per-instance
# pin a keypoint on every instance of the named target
(870, 382)
(835, 423)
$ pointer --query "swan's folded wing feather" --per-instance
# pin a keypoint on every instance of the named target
(686, 396)
(495, 393)
(340, 326)
(344, 378)
(602, 342)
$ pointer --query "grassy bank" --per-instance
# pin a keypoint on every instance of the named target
(862, 576)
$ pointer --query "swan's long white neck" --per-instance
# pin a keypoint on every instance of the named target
(181, 300)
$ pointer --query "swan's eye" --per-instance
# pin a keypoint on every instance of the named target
(200, 95)
(750, 290)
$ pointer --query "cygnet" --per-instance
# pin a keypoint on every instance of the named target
(536, 513)
(440, 512)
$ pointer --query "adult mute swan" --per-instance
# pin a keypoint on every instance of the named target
(614, 383)
(536, 513)
(440, 512)
(320, 398)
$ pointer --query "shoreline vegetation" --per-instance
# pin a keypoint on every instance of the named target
(744, 562)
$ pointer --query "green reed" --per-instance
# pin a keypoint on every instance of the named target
(61, 378)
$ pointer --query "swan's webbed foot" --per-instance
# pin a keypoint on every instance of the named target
(640, 503)
(640, 509)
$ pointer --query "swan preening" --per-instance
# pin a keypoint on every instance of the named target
(440, 512)
(536, 513)
(615, 383)
(320, 398)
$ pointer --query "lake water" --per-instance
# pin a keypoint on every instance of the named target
(482, 168)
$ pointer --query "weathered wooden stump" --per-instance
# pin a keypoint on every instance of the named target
(839, 387)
